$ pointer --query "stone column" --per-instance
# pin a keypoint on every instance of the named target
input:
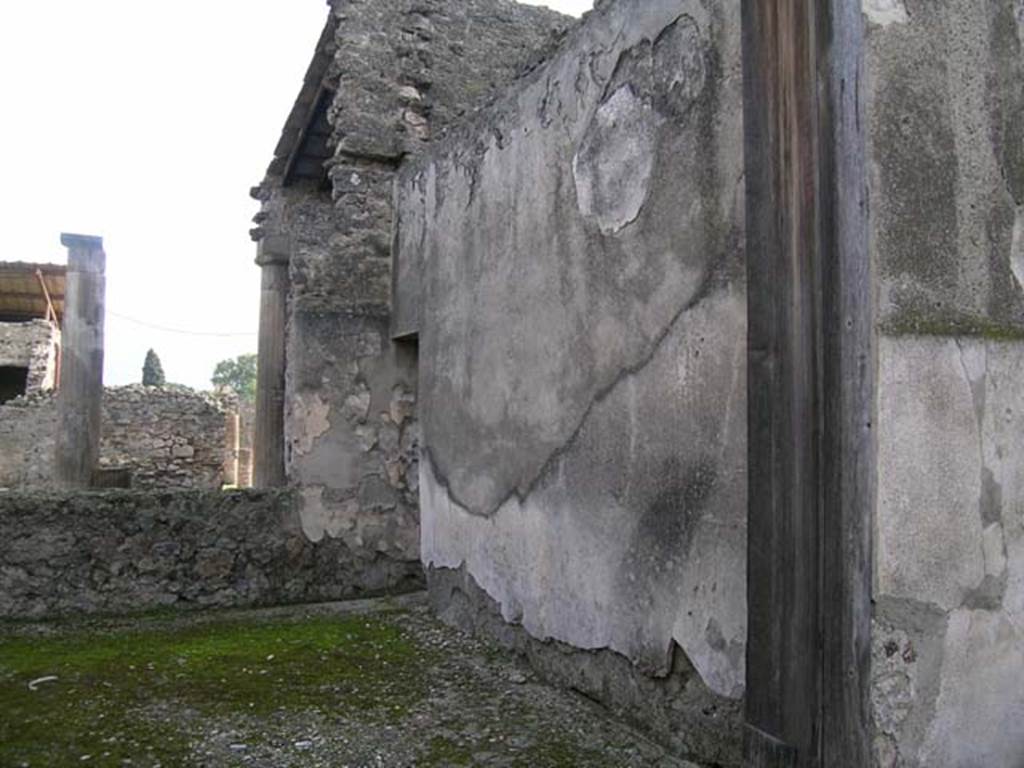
(268, 439)
(80, 396)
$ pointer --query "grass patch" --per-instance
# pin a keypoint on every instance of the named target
(106, 681)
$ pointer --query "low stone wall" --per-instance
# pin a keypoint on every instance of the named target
(126, 551)
(163, 437)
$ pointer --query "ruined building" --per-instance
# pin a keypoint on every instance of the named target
(145, 437)
(684, 345)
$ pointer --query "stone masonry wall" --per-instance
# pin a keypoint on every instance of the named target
(32, 345)
(165, 437)
(126, 551)
(168, 437)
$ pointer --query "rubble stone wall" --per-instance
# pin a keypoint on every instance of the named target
(165, 437)
(32, 345)
(168, 437)
(127, 551)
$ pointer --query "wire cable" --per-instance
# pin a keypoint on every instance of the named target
(178, 331)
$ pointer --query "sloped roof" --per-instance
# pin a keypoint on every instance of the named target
(24, 288)
(302, 148)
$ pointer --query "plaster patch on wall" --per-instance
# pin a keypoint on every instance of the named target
(929, 548)
(983, 657)
(653, 83)
(320, 519)
(885, 12)
(310, 421)
(614, 164)
(1017, 241)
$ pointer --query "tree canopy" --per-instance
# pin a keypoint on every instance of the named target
(153, 371)
(238, 374)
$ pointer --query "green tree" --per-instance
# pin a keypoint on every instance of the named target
(238, 374)
(152, 371)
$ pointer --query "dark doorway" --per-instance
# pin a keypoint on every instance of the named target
(13, 382)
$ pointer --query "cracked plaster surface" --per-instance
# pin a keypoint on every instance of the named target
(951, 537)
(583, 404)
(599, 575)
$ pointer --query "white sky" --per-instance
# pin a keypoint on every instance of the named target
(147, 123)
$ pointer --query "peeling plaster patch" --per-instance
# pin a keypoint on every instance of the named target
(885, 12)
(356, 407)
(1017, 243)
(310, 421)
(614, 164)
(320, 519)
(652, 84)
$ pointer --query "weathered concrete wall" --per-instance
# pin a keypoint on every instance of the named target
(125, 551)
(164, 437)
(399, 72)
(575, 258)
(32, 345)
(946, 115)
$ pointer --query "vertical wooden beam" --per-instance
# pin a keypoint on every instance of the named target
(268, 438)
(811, 386)
(80, 397)
(231, 444)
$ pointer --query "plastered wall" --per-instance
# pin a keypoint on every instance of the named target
(946, 115)
(572, 261)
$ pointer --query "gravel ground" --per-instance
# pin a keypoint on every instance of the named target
(374, 684)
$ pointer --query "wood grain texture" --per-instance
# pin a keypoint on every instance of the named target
(80, 396)
(811, 383)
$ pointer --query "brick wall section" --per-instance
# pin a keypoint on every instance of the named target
(124, 551)
(166, 437)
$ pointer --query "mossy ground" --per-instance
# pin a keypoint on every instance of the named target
(294, 688)
(105, 682)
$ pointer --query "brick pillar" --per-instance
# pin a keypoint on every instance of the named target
(268, 439)
(80, 396)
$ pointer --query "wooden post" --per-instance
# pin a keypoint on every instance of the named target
(80, 396)
(231, 432)
(268, 438)
(810, 387)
